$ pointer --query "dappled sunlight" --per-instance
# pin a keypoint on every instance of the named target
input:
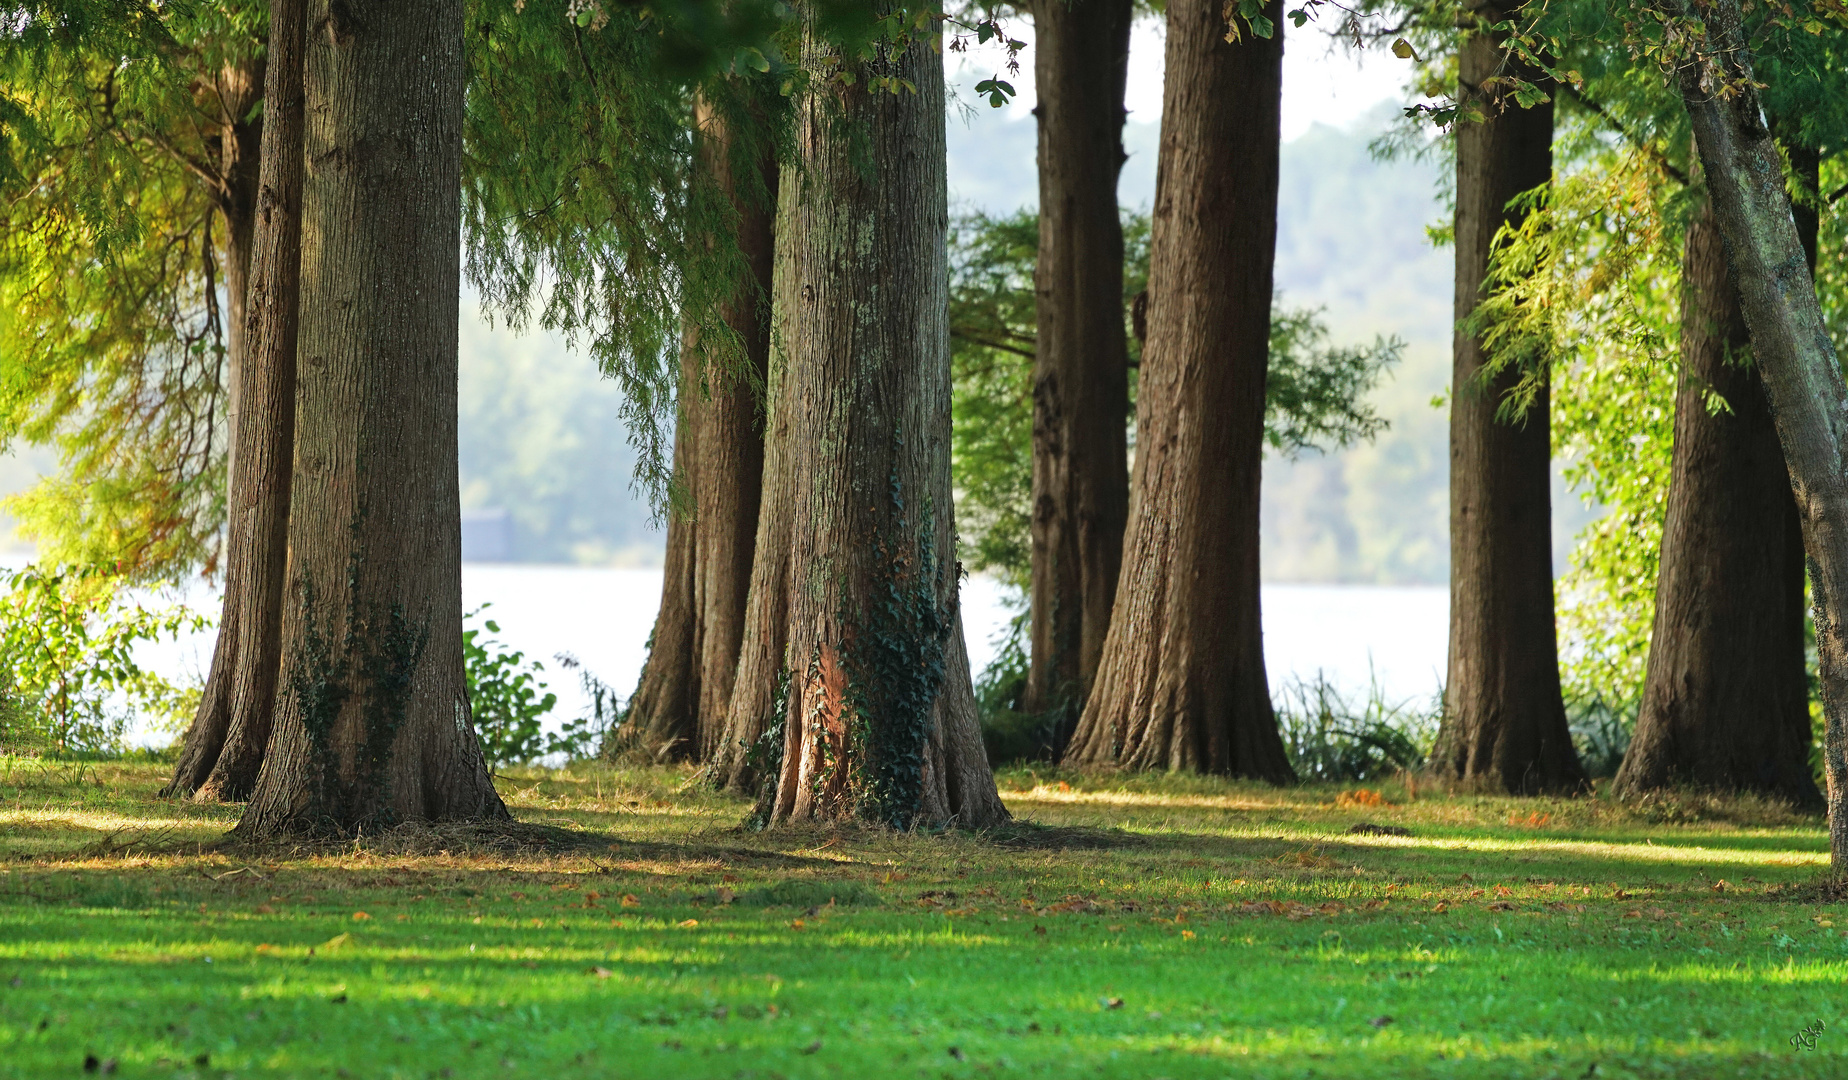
(1254, 935)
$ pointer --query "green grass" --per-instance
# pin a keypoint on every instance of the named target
(1127, 927)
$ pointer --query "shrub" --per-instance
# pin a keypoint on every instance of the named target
(69, 682)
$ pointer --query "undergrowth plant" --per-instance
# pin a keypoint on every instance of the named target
(69, 680)
(507, 694)
(1330, 737)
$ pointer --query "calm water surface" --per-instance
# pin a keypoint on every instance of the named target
(1354, 635)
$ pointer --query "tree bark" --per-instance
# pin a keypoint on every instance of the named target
(224, 747)
(372, 720)
(1726, 697)
(1504, 722)
(879, 715)
(679, 709)
(1796, 359)
(1181, 683)
(1081, 362)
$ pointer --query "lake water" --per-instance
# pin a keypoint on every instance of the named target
(1353, 635)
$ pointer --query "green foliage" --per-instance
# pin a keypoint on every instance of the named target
(584, 209)
(508, 698)
(1331, 739)
(69, 681)
(112, 344)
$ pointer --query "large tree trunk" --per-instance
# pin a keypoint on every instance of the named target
(879, 714)
(679, 708)
(372, 718)
(225, 744)
(1081, 363)
(1181, 684)
(1796, 359)
(1726, 698)
(1504, 722)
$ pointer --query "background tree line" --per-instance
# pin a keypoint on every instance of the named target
(744, 216)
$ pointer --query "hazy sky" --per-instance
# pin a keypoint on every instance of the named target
(1321, 80)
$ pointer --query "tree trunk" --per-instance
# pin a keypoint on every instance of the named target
(1796, 359)
(1081, 362)
(1181, 683)
(372, 720)
(679, 708)
(879, 713)
(225, 744)
(1504, 722)
(1726, 698)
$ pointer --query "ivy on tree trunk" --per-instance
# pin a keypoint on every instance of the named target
(854, 671)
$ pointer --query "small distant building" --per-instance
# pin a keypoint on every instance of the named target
(487, 535)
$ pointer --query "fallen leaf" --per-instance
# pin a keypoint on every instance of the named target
(1440, 908)
(1111, 1003)
(687, 924)
(336, 941)
(1187, 935)
(1380, 1021)
(360, 916)
(601, 972)
(812, 1047)
(629, 900)
(797, 924)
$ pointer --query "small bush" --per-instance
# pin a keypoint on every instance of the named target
(507, 696)
(69, 682)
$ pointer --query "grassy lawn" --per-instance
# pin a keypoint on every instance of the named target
(1127, 927)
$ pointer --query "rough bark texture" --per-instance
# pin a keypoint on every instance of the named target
(1726, 698)
(1796, 359)
(243, 201)
(372, 718)
(1181, 684)
(879, 714)
(1504, 723)
(1080, 363)
(679, 708)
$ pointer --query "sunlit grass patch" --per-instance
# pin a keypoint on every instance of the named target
(1126, 927)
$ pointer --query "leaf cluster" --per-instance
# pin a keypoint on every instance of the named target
(112, 341)
(69, 680)
(507, 695)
